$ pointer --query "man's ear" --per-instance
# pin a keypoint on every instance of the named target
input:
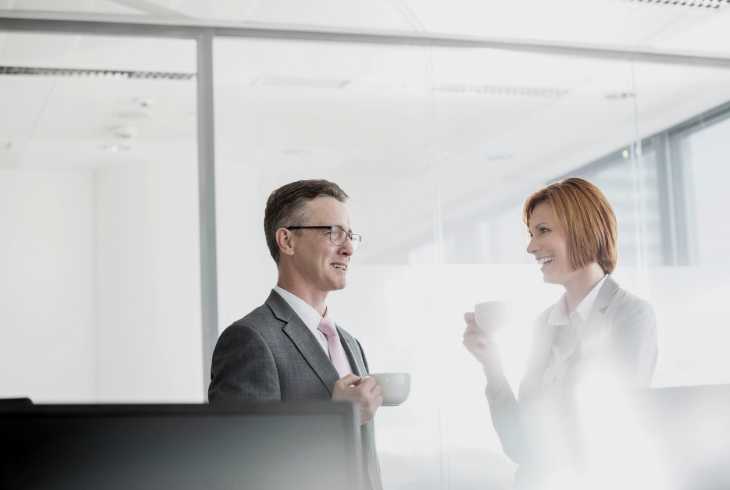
(285, 241)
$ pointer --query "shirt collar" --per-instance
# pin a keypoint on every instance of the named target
(559, 314)
(585, 307)
(304, 310)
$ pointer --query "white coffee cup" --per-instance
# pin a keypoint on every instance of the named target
(490, 316)
(395, 386)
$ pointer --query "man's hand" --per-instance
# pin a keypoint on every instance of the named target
(364, 392)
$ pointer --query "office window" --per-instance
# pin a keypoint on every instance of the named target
(629, 180)
(706, 153)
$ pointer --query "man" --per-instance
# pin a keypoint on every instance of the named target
(289, 348)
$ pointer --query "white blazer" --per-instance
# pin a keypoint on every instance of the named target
(537, 429)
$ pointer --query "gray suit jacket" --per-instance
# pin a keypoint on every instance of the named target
(620, 336)
(270, 354)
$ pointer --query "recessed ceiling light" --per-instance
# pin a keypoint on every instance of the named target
(503, 90)
(495, 157)
(620, 95)
(115, 148)
(132, 115)
(125, 131)
(299, 82)
(295, 151)
(143, 102)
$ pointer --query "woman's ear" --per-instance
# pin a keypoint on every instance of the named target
(285, 241)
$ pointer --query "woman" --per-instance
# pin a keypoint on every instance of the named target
(596, 333)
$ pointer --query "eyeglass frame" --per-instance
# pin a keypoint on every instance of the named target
(355, 238)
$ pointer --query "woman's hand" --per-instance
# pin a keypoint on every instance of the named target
(481, 344)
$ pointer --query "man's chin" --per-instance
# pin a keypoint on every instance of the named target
(338, 284)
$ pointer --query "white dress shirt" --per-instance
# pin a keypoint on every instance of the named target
(308, 315)
(570, 329)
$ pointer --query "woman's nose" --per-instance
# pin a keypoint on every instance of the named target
(531, 248)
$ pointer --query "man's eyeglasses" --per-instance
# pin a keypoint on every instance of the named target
(337, 234)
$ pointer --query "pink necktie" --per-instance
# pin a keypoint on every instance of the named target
(337, 353)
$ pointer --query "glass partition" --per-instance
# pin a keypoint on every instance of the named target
(98, 192)
(438, 149)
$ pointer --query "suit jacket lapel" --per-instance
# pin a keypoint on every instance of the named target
(303, 340)
(352, 351)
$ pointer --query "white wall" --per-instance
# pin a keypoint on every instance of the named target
(246, 271)
(148, 282)
(100, 295)
(47, 334)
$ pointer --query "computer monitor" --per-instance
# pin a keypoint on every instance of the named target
(262, 446)
(10, 403)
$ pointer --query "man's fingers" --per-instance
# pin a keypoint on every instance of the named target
(376, 391)
(366, 389)
(349, 379)
(379, 400)
(367, 383)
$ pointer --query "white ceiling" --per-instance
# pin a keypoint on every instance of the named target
(628, 23)
(440, 123)
(81, 6)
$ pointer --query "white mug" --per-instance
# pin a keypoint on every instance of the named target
(395, 386)
(492, 315)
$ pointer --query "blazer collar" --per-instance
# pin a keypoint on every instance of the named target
(303, 340)
(605, 295)
(596, 324)
(593, 325)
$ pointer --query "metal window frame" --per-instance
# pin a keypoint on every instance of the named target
(204, 34)
(680, 183)
(617, 157)
(674, 181)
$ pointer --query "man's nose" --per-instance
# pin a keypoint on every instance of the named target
(348, 247)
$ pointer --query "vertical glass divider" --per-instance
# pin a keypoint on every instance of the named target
(206, 185)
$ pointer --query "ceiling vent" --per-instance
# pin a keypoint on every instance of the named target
(698, 4)
(34, 71)
(503, 90)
